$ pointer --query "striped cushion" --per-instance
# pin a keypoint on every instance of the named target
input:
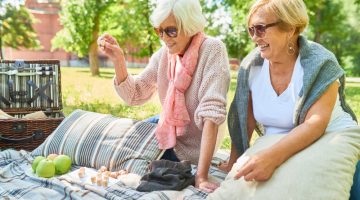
(93, 140)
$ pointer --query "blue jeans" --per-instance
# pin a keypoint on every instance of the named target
(154, 119)
(355, 189)
(169, 154)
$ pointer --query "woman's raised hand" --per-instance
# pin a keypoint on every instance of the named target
(110, 47)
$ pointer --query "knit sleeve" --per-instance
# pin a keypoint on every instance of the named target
(136, 90)
(214, 86)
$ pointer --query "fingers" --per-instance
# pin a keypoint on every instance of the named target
(107, 41)
(111, 46)
(110, 38)
(250, 177)
(245, 170)
(205, 189)
(208, 186)
(212, 186)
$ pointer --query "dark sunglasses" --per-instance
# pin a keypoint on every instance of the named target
(170, 31)
(260, 30)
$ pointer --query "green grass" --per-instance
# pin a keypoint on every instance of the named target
(352, 92)
(82, 91)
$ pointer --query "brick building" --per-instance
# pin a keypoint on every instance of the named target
(46, 13)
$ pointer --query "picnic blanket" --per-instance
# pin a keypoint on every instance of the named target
(18, 182)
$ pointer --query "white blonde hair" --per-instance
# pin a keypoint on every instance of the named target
(291, 13)
(187, 13)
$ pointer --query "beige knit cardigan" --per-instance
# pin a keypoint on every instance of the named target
(205, 97)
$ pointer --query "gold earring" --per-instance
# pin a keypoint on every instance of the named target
(291, 48)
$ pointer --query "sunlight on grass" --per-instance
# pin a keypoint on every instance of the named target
(80, 90)
(352, 92)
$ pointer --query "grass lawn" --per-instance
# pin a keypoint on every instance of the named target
(82, 91)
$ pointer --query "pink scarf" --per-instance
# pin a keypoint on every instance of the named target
(174, 117)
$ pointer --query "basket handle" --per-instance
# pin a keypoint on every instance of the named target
(38, 134)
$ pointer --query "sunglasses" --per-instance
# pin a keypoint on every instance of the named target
(260, 30)
(169, 31)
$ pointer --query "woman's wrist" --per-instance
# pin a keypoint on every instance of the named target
(120, 71)
(200, 178)
(276, 155)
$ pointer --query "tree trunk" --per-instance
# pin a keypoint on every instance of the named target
(93, 57)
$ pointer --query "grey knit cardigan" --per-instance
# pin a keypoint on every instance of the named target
(320, 70)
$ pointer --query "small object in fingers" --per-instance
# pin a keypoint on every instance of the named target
(102, 44)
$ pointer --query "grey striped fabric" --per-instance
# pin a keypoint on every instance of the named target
(95, 140)
(17, 182)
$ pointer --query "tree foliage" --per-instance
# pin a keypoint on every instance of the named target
(129, 23)
(81, 26)
(85, 20)
(329, 26)
(357, 2)
(16, 27)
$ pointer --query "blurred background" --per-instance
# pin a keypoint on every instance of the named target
(67, 29)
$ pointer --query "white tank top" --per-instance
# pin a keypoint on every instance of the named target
(275, 112)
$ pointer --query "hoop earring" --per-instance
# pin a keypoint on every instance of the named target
(291, 48)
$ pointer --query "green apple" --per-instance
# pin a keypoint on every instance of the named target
(45, 168)
(62, 164)
(36, 162)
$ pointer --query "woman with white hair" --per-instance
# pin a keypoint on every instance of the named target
(191, 75)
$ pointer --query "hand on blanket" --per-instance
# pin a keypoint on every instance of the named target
(205, 185)
(258, 167)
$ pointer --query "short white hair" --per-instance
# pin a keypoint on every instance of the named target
(188, 15)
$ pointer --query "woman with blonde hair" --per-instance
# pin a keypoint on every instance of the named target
(191, 76)
(287, 85)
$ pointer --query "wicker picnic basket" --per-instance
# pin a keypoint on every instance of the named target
(27, 87)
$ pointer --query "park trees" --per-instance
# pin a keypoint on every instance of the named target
(81, 28)
(84, 21)
(16, 26)
(333, 23)
(129, 23)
